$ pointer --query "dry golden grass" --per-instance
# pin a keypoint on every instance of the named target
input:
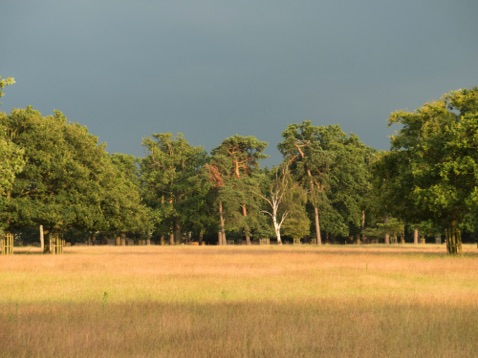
(332, 301)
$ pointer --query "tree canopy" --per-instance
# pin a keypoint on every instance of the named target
(435, 160)
(68, 180)
(333, 167)
(169, 176)
(56, 174)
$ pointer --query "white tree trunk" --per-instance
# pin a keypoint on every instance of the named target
(277, 226)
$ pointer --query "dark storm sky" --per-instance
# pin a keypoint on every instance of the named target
(212, 69)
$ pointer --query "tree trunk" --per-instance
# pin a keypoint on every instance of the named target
(42, 239)
(123, 238)
(93, 238)
(317, 225)
(415, 237)
(277, 230)
(387, 239)
(363, 225)
(316, 208)
(171, 238)
(246, 230)
(47, 243)
(244, 209)
(177, 233)
(223, 230)
(453, 239)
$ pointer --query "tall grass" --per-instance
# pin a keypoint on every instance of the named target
(239, 302)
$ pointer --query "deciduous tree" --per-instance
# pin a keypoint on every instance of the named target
(68, 181)
(436, 159)
(284, 198)
(11, 159)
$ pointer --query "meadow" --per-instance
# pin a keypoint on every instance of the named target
(237, 301)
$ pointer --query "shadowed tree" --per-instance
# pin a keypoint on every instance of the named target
(350, 182)
(391, 199)
(123, 203)
(390, 228)
(166, 175)
(199, 208)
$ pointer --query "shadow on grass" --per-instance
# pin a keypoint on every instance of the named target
(307, 328)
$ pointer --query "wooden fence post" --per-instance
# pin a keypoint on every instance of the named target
(42, 239)
(6, 243)
(56, 243)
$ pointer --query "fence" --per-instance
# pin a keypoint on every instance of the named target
(6, 243)
(55, 244)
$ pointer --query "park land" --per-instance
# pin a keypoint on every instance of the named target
(256, 301)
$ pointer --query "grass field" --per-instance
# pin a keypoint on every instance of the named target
(332, 301)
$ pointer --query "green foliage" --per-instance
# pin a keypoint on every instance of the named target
(11, 158)
(434, 162)
(350, 184)
(239, 155)
(391, 226)
(334, 169)
(170, 179)
(122, 201)
(234, 165)
(308, 160)
(68, 180)
(51, 182)
(284, 202)
(435, 158)
(53, 172)
(5, 82)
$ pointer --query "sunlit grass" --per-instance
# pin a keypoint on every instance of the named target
(240, 302)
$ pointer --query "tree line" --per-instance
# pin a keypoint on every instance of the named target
(329, 186)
